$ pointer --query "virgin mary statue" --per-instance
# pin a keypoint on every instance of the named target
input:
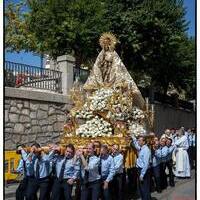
(109, 71)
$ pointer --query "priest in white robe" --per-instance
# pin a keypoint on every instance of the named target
(182, 158)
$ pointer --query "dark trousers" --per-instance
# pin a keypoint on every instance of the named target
(190, 152)
(61, 187)
(78, 190)
(21, 190)
(163, 176)
(169, 165)
(91, 189)
(194, 156)
(144, 186)
(105, 193)
(117, 187)
(34, 185)
(156, 175)
(132, 179)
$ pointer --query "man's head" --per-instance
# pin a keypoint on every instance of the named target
(90, 149)
(35, 148)
(173, 131)
(104, 149)
(152, 134)
(181, 132)
(19, 147)
(162, 142)
(115, 148)
(156, 143)
(189, 130)
(168, 141)
(156, 139)
(69, 151)
(167, 132)
(141, 140)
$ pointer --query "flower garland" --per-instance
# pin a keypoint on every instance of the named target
(95, 127)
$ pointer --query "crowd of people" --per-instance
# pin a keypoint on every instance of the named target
(54, 171)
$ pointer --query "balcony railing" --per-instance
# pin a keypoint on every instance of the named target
(21, 75)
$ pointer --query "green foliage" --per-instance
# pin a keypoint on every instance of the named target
(153, 42)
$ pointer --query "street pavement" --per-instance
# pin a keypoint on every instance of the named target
(184, 190)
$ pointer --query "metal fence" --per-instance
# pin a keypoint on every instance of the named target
(82, 74)
(21, 75)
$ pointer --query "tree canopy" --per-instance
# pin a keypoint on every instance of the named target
(152, 35)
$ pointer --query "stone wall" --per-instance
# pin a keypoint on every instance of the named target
(40, 115)
(167, 116)
(33, 116)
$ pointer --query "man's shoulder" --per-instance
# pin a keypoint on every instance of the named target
(94, 157)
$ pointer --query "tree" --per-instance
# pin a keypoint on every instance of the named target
(153, 40)
(56, 27)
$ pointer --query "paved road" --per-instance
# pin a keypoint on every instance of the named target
(183, 190)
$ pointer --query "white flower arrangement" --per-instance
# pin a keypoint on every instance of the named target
(85, 113)
(136, 129)
(137, 113)
(100, 98)
(95, 127)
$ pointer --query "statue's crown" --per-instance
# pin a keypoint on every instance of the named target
(108, 41)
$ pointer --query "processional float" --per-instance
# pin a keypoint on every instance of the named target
(108, 107)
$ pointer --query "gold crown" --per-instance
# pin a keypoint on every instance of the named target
(108, 41)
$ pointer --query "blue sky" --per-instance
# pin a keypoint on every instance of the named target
(30, 59)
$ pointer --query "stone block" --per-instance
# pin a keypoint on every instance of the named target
(44, 129)
(42, 114)
(34, 122)
(36, 129)
(25, 112)
(44, 107)
(24, 119)
(16, 138)
(8, 130)
(13, 103)
(61, 118)
(51, 111)
(7, 101)
(9, 145)
(14, 118)
(58, 126)
(32, 138)
(33, 115)
(7, 135)
(43, 122)
(19, 106)
(26, 104)
(34, 106)
(27, 125)
(27, 131)
(9, 125)
(14, 110)
(24, 139)
(52, 119)
(48, 134)
(19, 128)
(19, 101)
(6, 107)
(41, 139)
(6, 116)
(50, 128)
